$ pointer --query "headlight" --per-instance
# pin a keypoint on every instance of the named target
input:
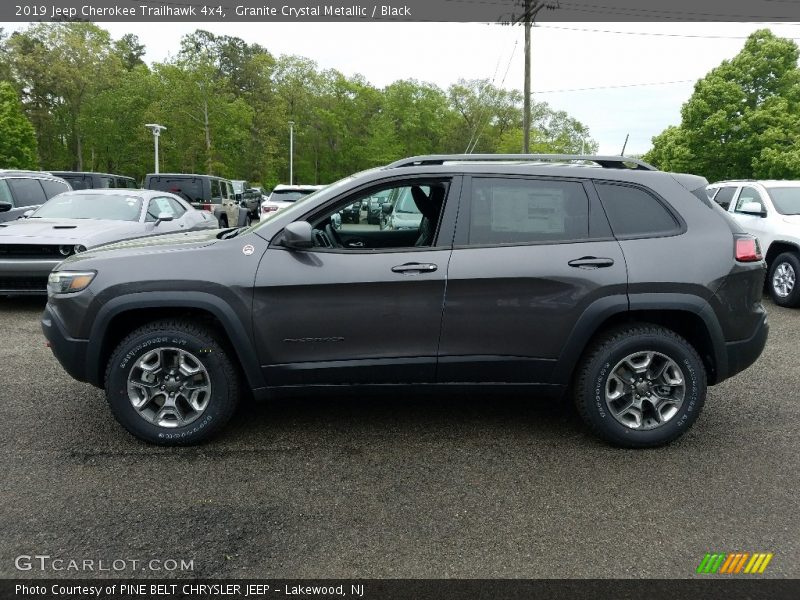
(68, 282)
(79, 248)
(65, 250)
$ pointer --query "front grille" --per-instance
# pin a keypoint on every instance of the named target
(23, 284)
(32, 251)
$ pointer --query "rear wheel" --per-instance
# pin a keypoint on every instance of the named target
(782, 280)
(172, 383)
(640, 386)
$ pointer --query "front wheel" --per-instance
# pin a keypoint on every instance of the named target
(782, 280)
(171, 383)
(640, 386)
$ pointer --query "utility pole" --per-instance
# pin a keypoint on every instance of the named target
(156, 129)
(625, 145)
(291, 152)
(532, 8)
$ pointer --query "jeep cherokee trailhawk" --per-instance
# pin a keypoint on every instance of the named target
(598, 276)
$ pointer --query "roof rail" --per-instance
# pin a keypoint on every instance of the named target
(607, 162)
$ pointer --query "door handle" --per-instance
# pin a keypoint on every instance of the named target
(415, 268)
(591, 262)
(355, 244)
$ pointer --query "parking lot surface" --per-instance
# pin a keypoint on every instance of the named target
(480, 485)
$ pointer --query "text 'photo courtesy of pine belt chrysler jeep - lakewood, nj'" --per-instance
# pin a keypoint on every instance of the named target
(597, 278)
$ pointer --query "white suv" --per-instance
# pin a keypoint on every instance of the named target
(285, 195)
(770, 210)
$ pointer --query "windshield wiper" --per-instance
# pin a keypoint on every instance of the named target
(231, 233)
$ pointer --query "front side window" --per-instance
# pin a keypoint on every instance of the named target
(747, 195)
(53, 188)
(633, 212)
(27, 192)
(409, 218)
(522, 211)
(157, 207)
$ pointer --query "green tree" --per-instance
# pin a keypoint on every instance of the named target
(17, 136)
(740, 120)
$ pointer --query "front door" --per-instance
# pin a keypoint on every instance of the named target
(364, 305)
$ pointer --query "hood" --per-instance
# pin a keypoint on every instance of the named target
(153, 244)
(88, 232)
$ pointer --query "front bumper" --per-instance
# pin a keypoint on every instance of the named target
(70, 352)
(25, 277)
(744, 353)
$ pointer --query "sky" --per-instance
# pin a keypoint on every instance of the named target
(603, 74)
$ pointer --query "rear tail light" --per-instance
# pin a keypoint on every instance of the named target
(207, 207)
(747, 249)
(268, 209)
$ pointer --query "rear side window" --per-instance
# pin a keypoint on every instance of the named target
(634, 212)
(724, 196)
(125, 182)
(27, 192)
(78, 182)
(520, 211)
(216, 191)
(5, 193)
(53, 188)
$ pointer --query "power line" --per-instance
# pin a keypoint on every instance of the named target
(616, 87)
(653, 34)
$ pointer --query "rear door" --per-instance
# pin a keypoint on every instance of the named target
(530, 255)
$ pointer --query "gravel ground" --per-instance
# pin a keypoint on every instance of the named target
(426, 486)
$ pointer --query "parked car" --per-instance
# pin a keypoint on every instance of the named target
(249, 197)
(769, 210)
(375, 208)
(401, 211)
(283, 196)
(204, 192)
(87, 180)
(22, 191)
(621, 284)
(351, 213)
(79, 221)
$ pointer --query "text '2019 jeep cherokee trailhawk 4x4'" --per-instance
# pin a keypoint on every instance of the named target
(621, 283)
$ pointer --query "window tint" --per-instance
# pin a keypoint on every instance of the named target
(53, 188)
(186, 187)
(27, 192)
(106, 182)
(126, 182)
(749, 194)
(724, 197)
(78, 182)
(634, 212)
(518, 211)
(5, 193)
(216, 192)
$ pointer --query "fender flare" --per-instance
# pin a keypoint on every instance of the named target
(602, 309)
(236, 331)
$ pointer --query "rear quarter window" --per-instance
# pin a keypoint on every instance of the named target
(634, 212)
(53, 188)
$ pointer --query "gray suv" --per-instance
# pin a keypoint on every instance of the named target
(598, 277)
(24, 191)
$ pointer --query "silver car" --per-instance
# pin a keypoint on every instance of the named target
(76, 221)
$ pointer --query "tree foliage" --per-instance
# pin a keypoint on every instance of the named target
(227, 106)
(17, 137)
(741, 121)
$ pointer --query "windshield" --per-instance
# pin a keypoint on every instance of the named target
(91, 206)
(786, 200)
(238, 186)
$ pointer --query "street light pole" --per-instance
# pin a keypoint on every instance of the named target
(156, 129)
(291, 152)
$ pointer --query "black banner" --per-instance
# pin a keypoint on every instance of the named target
(712, 588)
(398, 10)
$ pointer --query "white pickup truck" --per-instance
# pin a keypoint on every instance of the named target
(770, 210)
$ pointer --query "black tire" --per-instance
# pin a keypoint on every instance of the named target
(606, 352)
(203, 345)
(790, 261)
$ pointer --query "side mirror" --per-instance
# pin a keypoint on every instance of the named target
(753, 208)
(387, 208)
(298, 235)
(5, 206)
(164, 216)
